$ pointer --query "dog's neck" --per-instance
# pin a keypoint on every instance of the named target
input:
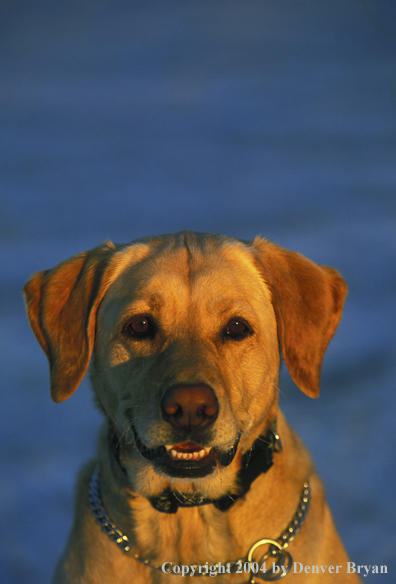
(256, 461)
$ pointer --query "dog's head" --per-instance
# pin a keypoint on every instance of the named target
(184, 333)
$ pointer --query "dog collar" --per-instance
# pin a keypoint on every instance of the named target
(255, 461)
(276, 550)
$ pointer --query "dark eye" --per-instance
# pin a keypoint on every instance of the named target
(139, 326)
(237, 329)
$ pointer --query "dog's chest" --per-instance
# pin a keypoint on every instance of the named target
(190, 536)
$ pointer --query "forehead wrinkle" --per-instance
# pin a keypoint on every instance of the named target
(224, 305)
(143, 306)
(162, 298)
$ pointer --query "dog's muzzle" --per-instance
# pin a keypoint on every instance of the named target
(190, 410)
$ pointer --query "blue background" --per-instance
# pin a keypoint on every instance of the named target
(275, 117)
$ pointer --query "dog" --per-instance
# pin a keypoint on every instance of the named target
(198, 472)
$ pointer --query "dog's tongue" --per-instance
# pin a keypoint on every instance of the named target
(187, 447)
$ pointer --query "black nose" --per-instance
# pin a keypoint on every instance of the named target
(190, 406)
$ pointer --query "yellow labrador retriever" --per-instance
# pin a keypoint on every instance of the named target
(198, 472)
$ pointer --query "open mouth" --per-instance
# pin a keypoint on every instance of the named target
(187, 451)
(186, 459)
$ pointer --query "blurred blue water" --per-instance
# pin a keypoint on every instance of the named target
(121, 119)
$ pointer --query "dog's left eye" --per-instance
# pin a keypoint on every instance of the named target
(139, 326)
(237, 329)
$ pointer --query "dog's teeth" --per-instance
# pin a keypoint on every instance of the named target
(177, 455)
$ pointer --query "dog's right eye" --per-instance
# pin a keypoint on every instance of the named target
(140, 327)
(237, 329)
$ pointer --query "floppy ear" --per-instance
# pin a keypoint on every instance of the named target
(61, 306)
(308, 301)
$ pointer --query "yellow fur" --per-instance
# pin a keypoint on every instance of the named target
(190, 285)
